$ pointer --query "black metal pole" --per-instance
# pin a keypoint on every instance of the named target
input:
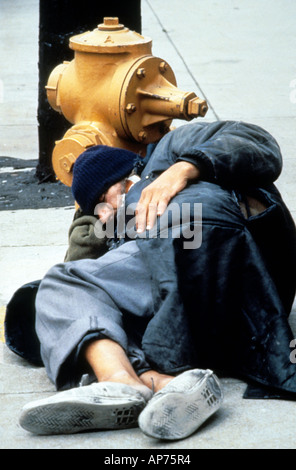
(58, 21)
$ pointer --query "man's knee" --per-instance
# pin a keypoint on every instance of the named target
(218, 205)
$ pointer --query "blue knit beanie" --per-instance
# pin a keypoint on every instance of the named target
(96, 170)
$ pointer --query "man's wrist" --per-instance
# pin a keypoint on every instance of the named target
(188, 169)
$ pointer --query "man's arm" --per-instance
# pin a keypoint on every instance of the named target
(229, 153)
(232, 154)
(83, 238)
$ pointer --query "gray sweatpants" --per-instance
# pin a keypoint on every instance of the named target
(79, 301)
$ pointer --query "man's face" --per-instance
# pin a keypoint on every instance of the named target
(110, 201)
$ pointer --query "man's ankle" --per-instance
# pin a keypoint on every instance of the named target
(155, 380)
(121, 376)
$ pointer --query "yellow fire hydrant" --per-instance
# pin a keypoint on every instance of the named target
(115, 93)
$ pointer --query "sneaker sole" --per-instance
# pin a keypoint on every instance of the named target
(73, 416)
(176, 415)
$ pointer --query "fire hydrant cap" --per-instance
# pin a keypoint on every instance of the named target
(110, 36)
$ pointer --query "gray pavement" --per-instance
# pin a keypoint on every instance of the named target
(240, 56)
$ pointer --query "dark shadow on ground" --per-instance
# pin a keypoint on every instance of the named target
(21, 189)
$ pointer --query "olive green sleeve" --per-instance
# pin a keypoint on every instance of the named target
(86, 238)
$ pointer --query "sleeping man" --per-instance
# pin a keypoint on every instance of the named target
(181, 268)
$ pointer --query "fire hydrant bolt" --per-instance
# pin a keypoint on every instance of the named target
(163, 66)
(142, 136)
(130, 108)
(67, 162)
(141, 73)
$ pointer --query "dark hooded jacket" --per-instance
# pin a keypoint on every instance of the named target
(225, 304)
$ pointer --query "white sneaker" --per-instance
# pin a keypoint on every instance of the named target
(104, 405)
(182, 405)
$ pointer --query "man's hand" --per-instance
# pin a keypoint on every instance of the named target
(156, 197)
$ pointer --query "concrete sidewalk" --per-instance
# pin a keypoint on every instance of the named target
(236, 54)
